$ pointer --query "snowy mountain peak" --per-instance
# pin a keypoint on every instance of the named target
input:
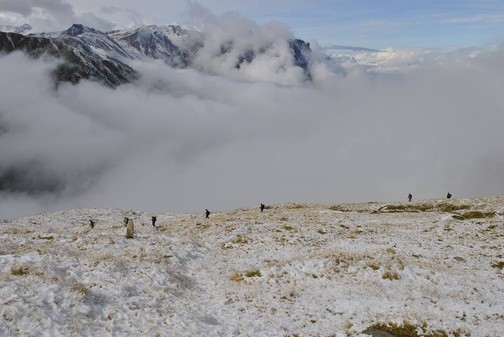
(78, 29)
(16, 29)
(172, 44)
(162, 29)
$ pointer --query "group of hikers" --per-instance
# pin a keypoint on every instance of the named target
(207, 212)
(261, 207)
(410, 197)
(154, 218)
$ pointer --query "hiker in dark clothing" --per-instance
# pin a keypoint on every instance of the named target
(448, 196)
(262, 207)
(410, 197)
(154, 221)
(207, 213)
(92, 223)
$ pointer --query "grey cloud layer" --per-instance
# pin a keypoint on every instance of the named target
(49, 15)
(183, 141)
(27, 7)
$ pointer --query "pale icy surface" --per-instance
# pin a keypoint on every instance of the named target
(305, 270)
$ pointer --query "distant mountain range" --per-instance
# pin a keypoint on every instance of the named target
(395, 61)
(87, 53)
(15, 29)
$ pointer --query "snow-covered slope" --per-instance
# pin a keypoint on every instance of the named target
(294, 270)
(172, 44)
(89, 40)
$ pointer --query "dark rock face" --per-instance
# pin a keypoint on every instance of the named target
(79, 61)
(301, 50)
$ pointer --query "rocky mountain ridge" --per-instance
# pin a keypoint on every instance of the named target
(86, 53)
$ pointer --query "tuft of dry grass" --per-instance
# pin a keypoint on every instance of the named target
(253, 273)
(409, 330)
(404, 330)
(236, 277)
(20, 271)
(239, 277)
(288, 227)
(391, 250)
(498, 265)
(443, 207)
(80, 288)
(296, 206)
(390, 275)
(240, 239)
(373, 265)
(339, 208)
(478, 215)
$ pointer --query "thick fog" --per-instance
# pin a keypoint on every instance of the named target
(218, 137)
(48, 15)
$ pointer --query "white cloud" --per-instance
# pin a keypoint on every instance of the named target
(234, 136)
(50, 15)
(230, 38)
(181, 140)
(133, 16)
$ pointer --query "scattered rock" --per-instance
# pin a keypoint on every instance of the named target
(130, 229)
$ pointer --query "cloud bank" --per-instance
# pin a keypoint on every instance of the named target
(186, 140)
(48, 15)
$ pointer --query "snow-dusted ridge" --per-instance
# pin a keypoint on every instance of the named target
(173, 44)
(307, 270)
(16, 29)
(106, 56)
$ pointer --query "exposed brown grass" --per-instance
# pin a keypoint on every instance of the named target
(236, 277)
(253, 273)
(390, 275)
(20, 270)
(444, 207)
(478, 215)
(373, 265)
(498, 265)
(80, 288)
(409, 330)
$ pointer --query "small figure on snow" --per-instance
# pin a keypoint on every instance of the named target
(410, 197)
(262, 207)
(92, 223)
(448, 196)
(207, 213)
(154, 221)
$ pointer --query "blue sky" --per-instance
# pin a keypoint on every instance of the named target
(395, 23)
(365, 23)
